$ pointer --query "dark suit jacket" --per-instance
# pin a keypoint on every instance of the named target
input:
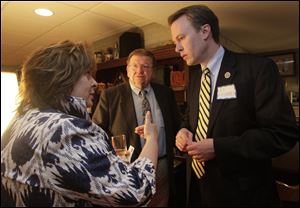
(247, 131)
(115, 113)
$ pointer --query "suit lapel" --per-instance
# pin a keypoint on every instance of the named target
(160, 97)
(127, 106)
(227, 66)
(197, 73)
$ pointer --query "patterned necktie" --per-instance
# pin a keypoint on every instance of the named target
(145, 103)
(203, 117)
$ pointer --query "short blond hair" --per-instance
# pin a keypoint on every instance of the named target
(142, 52)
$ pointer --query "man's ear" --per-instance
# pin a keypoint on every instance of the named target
(206, 31)
(127, 71)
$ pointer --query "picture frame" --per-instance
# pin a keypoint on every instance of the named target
(286, 63)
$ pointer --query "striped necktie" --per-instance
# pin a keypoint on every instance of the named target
(203, 117)
(145, 103)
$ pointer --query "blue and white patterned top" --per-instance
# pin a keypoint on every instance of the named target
(59, 158)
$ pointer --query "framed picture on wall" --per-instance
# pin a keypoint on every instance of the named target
(285, 63)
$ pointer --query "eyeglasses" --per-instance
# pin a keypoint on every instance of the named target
(137, 66)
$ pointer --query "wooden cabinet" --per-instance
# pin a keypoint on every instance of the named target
(113, 72)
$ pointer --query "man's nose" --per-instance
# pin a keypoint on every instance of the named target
(178, 48)
(140, 69)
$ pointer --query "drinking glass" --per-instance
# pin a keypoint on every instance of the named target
(120, 146)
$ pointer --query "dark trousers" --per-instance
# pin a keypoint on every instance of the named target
(202, 195)
(196, 198)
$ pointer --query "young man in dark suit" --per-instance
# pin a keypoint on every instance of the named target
(238, 116)
(121, 109)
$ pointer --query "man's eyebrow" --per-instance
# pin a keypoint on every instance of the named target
(176, 38)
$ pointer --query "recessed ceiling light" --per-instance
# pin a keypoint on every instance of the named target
(43, 12)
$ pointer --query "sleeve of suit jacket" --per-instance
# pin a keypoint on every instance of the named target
(101, 114)
(261, 125)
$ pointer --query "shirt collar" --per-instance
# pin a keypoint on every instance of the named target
(214, 63)
(137, 90)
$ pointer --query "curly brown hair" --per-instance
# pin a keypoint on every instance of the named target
(49, 74)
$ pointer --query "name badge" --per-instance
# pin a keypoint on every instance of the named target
(226, 92)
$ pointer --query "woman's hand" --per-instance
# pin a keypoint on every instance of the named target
(148, 130)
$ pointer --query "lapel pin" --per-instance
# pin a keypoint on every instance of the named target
(227, 75)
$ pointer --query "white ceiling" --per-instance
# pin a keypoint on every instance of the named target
(256, 26)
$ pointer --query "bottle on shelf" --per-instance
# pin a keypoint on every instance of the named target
(116, 51)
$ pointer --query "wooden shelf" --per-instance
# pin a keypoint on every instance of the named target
(166, 52)
(112, 64)
(178, 88)
(162, 53)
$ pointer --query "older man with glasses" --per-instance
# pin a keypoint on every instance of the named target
(122, 108)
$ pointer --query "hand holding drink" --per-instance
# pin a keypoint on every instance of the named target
(120, 146)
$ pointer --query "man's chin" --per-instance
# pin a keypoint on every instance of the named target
(139, 85)
(189, 62)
